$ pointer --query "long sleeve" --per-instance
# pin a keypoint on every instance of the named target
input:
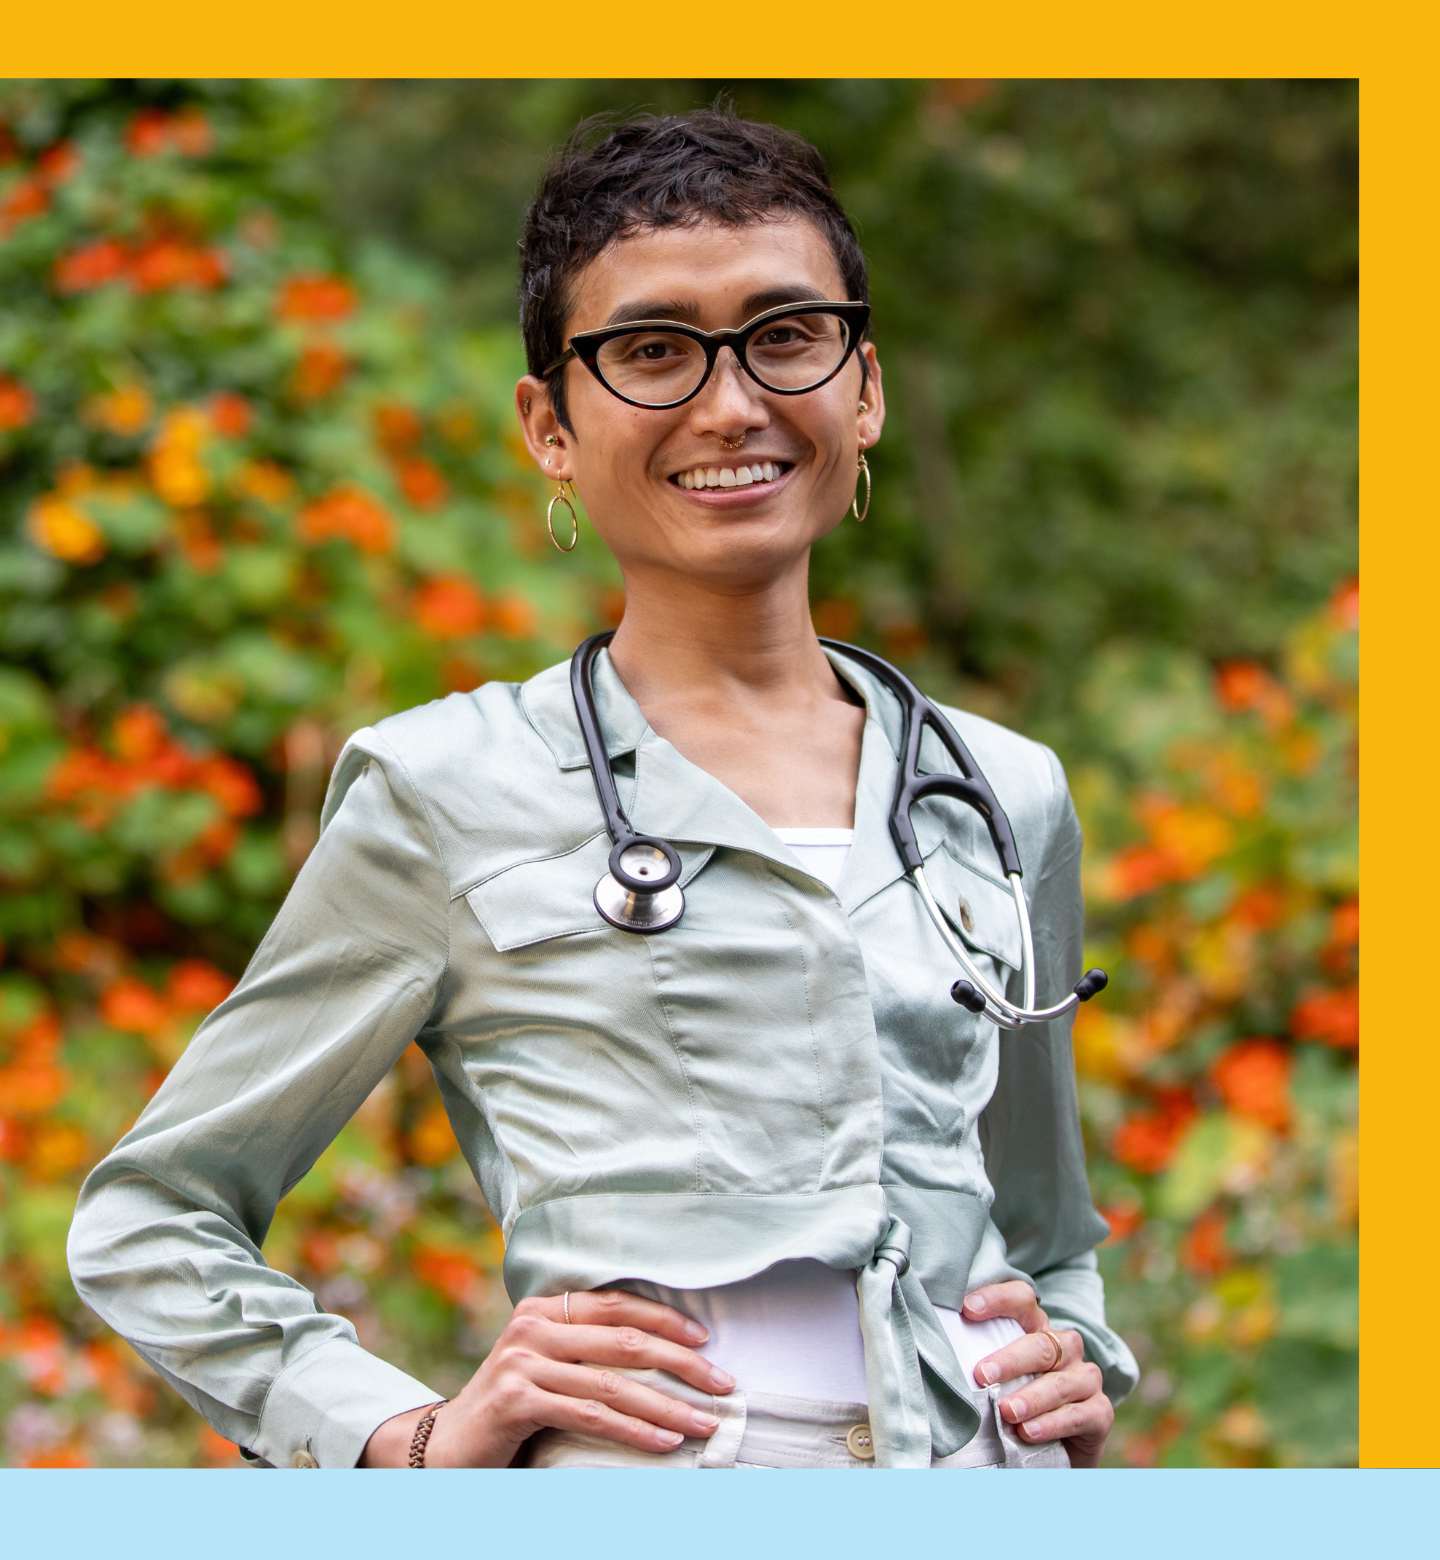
(1034, 1152)
(165, 1241)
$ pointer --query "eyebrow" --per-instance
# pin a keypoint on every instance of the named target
(687, 311)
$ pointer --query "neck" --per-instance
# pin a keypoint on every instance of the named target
(688, 647)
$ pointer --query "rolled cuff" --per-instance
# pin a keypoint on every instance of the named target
(328, 1404)
(1073, 1295)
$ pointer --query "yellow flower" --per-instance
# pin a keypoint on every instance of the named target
(65, 531)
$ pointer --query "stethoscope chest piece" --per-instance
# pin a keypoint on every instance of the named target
(640, 909)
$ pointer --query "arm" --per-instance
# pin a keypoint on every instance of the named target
(1030, 1131)
(165, 1242)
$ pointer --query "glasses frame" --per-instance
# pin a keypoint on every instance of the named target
(586, 346)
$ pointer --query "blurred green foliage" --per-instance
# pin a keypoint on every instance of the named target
(261, 485)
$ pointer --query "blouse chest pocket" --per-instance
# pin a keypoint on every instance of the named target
(554, 896)
(978, 907)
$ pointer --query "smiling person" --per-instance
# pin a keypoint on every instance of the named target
(771, 1196)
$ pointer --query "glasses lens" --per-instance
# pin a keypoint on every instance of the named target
(653, 367)
(798, 351)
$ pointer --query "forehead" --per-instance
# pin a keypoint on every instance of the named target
(711, 267)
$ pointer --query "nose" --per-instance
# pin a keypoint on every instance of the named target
(731, 401)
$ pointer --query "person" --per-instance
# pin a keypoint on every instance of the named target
(770, 1197)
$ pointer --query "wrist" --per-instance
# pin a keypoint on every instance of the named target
(389, 1443)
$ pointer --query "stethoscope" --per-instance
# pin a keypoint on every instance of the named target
(641, 891)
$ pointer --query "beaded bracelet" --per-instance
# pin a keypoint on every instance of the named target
(422, 1433)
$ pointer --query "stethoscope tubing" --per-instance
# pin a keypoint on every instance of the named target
(638, 895)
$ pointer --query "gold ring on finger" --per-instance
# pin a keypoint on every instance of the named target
(1056, 1345)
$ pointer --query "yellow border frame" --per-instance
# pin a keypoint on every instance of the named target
(1400, 1067)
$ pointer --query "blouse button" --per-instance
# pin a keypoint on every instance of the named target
(303, 1459)
(857, 1438)
(966, 919)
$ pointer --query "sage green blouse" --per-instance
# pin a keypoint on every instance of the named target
(781, 1075)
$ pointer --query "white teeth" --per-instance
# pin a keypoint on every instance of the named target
(725, 476)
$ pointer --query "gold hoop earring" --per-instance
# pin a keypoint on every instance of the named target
(865, 476)
(560, 498)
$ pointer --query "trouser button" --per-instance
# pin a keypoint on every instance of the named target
(857, 1438)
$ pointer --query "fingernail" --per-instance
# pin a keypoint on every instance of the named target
(975, 1302)
(669, 1437)
(696, 1331)
(703, 1421)
(989, 1372)
(721, 1378)
(1018, 1410)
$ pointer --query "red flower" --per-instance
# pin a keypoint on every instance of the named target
(196, 986)
(321, 369)
(1203, 1250)
(131, 1005)
(148, 133)
(449, 607)
(397, 426)
(230, 414)
(350, 513)
(17, 404)
(1253, 1078)
(58, 163)
(422, 484)
(1330, 1016)
(315, 297)
(26, 199)
(231, 784)
(90, 266)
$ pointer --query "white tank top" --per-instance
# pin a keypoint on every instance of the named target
(795, 1328)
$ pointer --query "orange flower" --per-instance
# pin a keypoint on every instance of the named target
(449, 607)
(29, 198)
(196, 987)
(1344, 606)
(58, 163)
(1203, 1250)
(1124, 1219)
(1136, 870)
(348, 512)
(138, 734)
(193, 530)
(125, 410)
(449, 1270)
(31, 1088)
(65, 531)
(17, 404)
(321, 369)
(92, 265)
(1253, 1078)
(1147, 1140)
(148, 133)
(56, 1148)
(1330, 1016)
(1345, 924)
(514, 616)
(422, 483)
(231, 784)
(397, 427)
(215, 1449)
(190, 132)
(315, 297)
(264, 480)
(167, 262)
(1259, 908)
(131, 1005)
(230, 414)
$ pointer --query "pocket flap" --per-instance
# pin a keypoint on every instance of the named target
(554, 896)
(980, 909)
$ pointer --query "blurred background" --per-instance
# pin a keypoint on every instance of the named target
(260, 484)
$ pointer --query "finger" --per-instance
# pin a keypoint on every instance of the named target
(616, 1308)
(631, 1347)
(1089, 1418)
(1013, 1297)
(624, 1395)
(1030, 1355)
(591, 1417)
(1049, 1391)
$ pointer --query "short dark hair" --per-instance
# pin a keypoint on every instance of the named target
(663, 170)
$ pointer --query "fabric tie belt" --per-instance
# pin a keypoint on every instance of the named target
(920, 1402)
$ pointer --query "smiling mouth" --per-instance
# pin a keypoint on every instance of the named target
(750, 474)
